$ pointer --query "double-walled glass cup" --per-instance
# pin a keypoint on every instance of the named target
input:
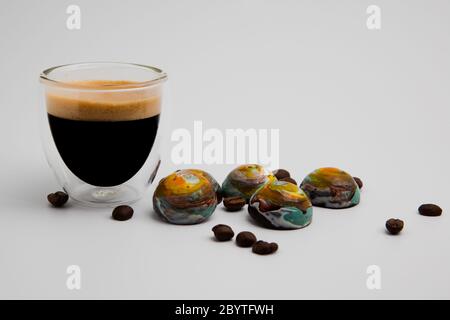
(100, 129)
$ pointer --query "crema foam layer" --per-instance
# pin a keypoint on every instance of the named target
(98, 100)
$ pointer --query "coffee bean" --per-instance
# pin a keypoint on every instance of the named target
(394, 226)
(281, 174)
(274, 246)
(58, 199)
(122, 213)
(222, 232)
(430, 210)
(358, 182)
(263, 248)
(234, 203)
(245, 239)
(289, 179)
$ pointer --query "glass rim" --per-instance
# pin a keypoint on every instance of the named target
(45, 77)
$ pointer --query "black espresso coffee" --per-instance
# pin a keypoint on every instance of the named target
(104, 138)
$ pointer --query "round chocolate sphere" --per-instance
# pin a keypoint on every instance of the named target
(245, 180)
(331, 188)
(281, 205)
(186, 197)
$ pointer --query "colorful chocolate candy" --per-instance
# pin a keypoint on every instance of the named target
(331, 188)
(187, 196)
(281, 205)
(245, 180)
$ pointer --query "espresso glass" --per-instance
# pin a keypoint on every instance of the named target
(100, 129)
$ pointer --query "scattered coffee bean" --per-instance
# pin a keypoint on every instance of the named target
(358, 182)
(234, 203)
(430, 210)
(245, 239)
(58, 199)
(281, 174)
(394, 226)
(274, 246)
(289, 179)
(122, 213)
(222, 232)
(262, 247)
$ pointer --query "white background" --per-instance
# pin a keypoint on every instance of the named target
(374, 103)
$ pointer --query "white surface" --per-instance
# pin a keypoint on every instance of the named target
(375, 103)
